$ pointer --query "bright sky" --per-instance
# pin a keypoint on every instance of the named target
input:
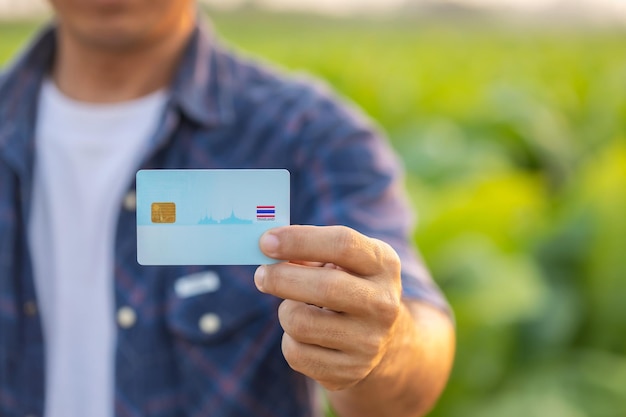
(609, 7)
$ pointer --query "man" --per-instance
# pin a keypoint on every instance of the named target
(119, 85)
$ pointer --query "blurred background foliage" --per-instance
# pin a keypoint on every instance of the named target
(513, 137)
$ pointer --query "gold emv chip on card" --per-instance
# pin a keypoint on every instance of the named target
(163, 213)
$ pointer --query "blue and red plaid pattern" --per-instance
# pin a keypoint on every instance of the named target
(223, 112)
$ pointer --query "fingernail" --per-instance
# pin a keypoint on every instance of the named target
(259, 277)
(269, 243)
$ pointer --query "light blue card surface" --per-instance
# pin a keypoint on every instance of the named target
(208, 217)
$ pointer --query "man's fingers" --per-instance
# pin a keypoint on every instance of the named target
(334, 289)
(333, 369)
(338, 245)
(312, 325)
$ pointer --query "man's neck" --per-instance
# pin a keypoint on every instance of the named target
(105, 75)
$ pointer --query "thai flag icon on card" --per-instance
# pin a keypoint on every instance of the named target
(208, 217)
(266, 213)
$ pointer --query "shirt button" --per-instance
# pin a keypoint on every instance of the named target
(130, 201)
(30, 308)
(210, 323)
(126, 317)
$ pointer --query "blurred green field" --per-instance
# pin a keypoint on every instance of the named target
(514, 142)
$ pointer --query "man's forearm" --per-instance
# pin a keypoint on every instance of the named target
(413, 373)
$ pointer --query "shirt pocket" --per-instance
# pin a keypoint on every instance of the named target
(218, 312)
(226, 343)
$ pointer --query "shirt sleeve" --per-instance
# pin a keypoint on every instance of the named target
(348, 175)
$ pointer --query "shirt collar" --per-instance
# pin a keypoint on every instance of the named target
(19, 89)
(201, 88)
(202, 85)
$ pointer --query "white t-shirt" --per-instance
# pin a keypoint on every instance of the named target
(86, 157)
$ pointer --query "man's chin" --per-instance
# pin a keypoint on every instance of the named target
(110, 37)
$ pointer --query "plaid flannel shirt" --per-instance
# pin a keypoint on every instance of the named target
(222, 112)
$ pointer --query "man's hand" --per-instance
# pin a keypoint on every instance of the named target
(347, 327)
(342, 295)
